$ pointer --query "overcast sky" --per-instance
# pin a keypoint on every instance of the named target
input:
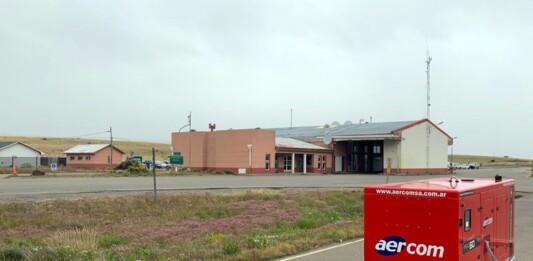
(69, 68)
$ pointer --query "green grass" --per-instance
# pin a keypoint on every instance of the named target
(251, 225)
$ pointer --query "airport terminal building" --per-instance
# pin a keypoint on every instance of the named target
(409, 147)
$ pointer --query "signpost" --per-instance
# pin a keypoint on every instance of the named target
(389, 163)
(176, 159)
(53, 168)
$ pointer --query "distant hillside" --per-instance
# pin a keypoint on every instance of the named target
(54, 147)
(489, 160)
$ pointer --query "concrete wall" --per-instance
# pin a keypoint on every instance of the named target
(18, 150)
(413, 150)
(23, 154)
(391, 149)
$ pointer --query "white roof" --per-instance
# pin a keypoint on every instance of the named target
(296, 144)
(86, 148)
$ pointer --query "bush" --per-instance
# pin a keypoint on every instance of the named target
(231, 247)
(108, 241)
(137, 167)
(37, 173)
(228, 172)
(11, 254)
(26, 165)
(258, 241)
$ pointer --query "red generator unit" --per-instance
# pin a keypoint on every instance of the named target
(454, 219)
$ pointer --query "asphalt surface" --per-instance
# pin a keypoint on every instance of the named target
(27, 188)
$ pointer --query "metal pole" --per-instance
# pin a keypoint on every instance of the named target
(153, 173)
(111, 154)
(190, 121)
(291, 118)
(250, 158)
(428, 134)
(453, 141)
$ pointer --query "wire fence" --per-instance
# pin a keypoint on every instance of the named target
(32, 161)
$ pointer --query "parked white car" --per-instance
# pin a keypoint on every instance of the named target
(473, 165)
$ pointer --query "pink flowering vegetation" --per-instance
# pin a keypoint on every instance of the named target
(251, 225)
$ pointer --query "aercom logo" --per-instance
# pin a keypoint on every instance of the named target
(394, 245)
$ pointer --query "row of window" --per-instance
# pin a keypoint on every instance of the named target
(287, 162)
(80, 157)
(376, 149)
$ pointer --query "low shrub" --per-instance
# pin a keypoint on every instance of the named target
(37, 173)
(146, 252)
(137, 167)
(258, 241)
(11, 254)
(227, 171)
(26, 165)
(231, 247)
(108, 241)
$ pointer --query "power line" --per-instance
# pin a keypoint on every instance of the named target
(90, 134)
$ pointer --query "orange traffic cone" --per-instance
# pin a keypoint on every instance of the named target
(14, 170)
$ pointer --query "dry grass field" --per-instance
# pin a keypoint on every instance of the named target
(252, 225)
(54, 147)
(490, 160)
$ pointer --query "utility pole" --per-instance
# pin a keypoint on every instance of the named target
(428, 104)
(190, 120)
(111, 148)
(291, 118)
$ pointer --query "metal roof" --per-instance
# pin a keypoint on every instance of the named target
(313, 132)
(296, 144)
(7, 144)
(86, 148)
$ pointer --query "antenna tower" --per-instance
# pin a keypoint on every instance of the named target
(428, 61)
(428, 131)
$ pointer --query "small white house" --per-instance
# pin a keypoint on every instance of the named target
(19, 153)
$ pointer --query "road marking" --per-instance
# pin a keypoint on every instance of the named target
(321, 250)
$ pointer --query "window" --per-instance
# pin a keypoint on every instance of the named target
(377, 149)
(320, 162)
(88, 157)
(80, 157)
(323, 161)
(287, 162)
(72, 157)
(267, 162)
(468, 217)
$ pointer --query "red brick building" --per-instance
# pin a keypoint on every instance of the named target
(251, 151)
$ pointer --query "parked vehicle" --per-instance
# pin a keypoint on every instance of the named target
(470, 165)
(473, 165)
(162, 165)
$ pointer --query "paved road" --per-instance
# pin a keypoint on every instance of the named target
(354, 249)
(50, 187)
(45, 188)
